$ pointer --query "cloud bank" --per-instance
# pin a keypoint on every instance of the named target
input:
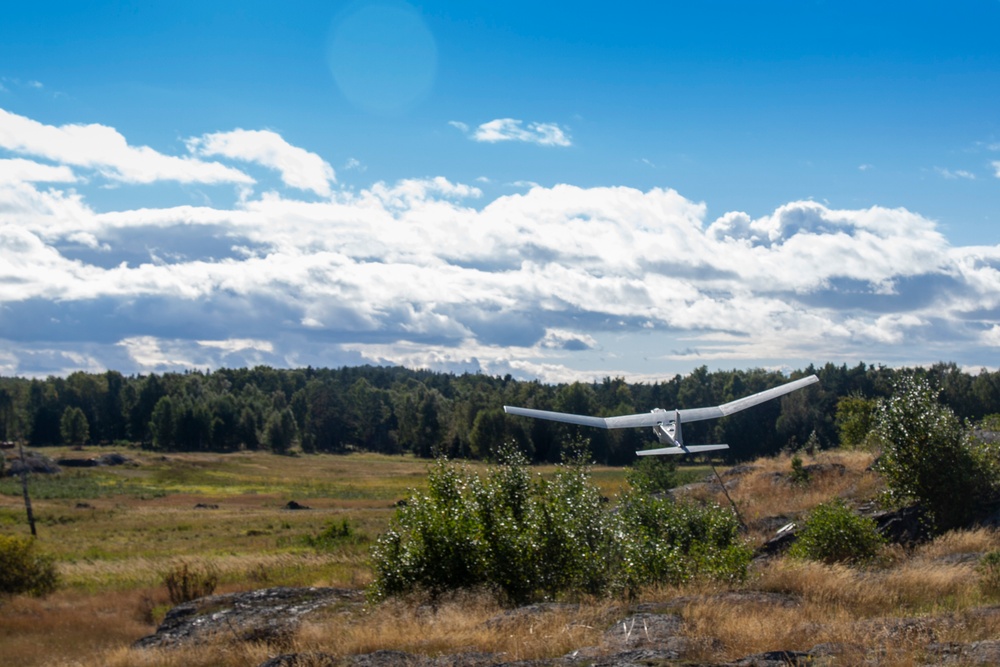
(556, 283)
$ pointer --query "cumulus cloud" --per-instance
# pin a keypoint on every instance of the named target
(510, 129)
(991, 336)
(298, 167)
(559, 282)
(105, 150)
(29, 171)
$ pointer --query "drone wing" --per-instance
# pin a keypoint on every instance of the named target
(660, 416)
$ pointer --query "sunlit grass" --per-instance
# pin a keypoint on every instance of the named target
(116, 531)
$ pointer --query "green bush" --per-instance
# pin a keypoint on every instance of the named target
(799, 475)
(433, 542)
(834, 534)
(23, 569)
(334, 536)
(855, 419)
(572, 533)
(662, 541)
(929, 457)
(989, 573)
(527, 539)
(652, 474)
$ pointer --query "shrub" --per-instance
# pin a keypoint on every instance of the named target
(572, 533)
(334, 536)
(527, 539)
(23, 569)
(834, 534)
(855, 419)
(989, 573)
(185, 583)
(433, 543)
(799, 475)
(928, 456)
(652, 474)
(662, 541)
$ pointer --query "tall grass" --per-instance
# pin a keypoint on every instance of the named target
(111, 553)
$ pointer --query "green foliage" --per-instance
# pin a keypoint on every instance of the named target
(572, 532)
(834, 534)
(928, 457)
(396, 410)
(855, 420)
(73, 427)
(334, 536)
(78, 485)
(185, 582)
(528, 539)
(661, 541)
(23, 569)
(279, 431)
(652, 474)
(433, 542)
(989, 573)
(991, 423)
(799, 475)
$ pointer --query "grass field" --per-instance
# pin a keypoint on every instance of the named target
(115, 532)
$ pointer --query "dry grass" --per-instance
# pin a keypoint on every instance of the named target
(70, 625)
(766, 492)
(112, 555)
(465, 624)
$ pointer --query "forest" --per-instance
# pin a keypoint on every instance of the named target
(395, 410)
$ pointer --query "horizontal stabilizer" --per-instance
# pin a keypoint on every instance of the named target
(687, 449)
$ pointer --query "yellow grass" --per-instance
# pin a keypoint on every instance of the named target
(112, 554)
(758, 495)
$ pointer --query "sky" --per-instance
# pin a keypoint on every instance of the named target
(557, 191)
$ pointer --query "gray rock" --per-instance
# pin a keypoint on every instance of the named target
(34, 462)
(313, 659)
(906, 526)
(511, 619)
(643, 630)
(976, 653)
(269, 615)
(776, 659)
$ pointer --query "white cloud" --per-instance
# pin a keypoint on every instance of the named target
(29, 171)
(149, 353)
(955, 174)
(510, 129)
(105, 150)
(353, 164)
(237, 344)
(991, 336)
(299, 168)
(555, 282)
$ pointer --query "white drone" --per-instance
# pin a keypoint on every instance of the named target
(667, 423)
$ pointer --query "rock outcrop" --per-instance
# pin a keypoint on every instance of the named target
(269, 615)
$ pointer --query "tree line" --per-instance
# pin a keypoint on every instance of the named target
(394, 410)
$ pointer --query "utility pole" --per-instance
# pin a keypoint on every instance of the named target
(24, 486)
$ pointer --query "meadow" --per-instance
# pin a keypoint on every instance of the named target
(116, 531)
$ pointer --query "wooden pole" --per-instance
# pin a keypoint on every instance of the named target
(24, 486)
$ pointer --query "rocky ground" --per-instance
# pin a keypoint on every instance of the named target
(645, 636)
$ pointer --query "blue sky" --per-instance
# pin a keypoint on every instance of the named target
(554, 190)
